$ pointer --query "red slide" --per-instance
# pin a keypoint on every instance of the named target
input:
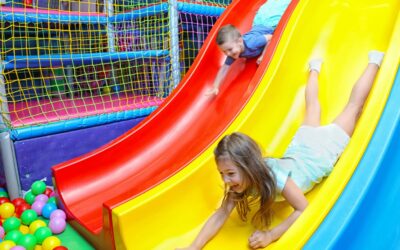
(171, 137)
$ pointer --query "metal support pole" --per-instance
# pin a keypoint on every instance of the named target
(111, 36)
(7, 153)
(174, 41)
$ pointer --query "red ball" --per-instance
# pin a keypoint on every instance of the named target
(48, 191)
(18, 201)
(4, 200)
(21, 208)
(60, 248)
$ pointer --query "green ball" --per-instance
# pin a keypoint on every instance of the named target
(3, 194)
(28, 241)
(42, 233)
(14, 235)
(38, 187)
(52, 200)
(11, 224)
(30, 197)
(28, 216)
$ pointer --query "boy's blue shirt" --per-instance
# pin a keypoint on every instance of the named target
(254, 42)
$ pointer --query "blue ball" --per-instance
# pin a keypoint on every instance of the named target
(116, 88)
(48, 209)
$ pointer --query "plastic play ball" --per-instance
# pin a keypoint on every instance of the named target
(28, 216)
(7, 210)
(2, 232)
(106, 90)
(42, 233)
(18, 248)
(28, 241)
(50, 243)
(58, 213)
(29, 197)
(3, 193)
(4, 200)
(38, 247)
(52, 200)
(116, 88)
(48, 191)
(48, 209)
(35, 225)
(60, 248)
(14, 235)
(18, 202)
(24, 229)
(38, 187)
(7, 245)
(37, 206)
(11, 224)
(42, 198)
(57, 225)
(21, 208)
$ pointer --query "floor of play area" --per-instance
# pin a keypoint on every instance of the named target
(51, 110)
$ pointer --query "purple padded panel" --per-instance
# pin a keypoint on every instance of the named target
(36, 156)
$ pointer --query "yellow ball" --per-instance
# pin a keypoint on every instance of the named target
(51, 242)
(106, 90)
(35, 225)
(24, 229)
(7, 210)
(38, 247)
(7, 245)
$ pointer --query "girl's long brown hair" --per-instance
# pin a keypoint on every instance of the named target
(261, 185)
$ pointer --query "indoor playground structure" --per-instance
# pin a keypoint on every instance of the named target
(77, 74)
(155, 186)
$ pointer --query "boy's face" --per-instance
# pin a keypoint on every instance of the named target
(232, 176)
(233, 48)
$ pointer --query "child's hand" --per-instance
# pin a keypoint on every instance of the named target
(260, 239)
(213, 91)
(188, 248)
(259, 59)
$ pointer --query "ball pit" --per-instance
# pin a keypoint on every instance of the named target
(22, 228)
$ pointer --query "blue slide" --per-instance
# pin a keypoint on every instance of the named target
(367, 215)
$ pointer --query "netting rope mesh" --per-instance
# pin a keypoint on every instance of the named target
(68, 60)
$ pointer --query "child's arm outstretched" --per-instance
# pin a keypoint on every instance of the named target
(212, 226)
(293, 194)
(218, 80)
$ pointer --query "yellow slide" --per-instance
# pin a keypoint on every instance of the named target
(339, 31)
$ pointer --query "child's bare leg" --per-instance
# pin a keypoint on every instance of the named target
(350, 114)
(313, 107)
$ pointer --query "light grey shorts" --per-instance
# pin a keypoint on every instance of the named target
(315, 151)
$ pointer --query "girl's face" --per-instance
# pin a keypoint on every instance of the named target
(232, 176)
